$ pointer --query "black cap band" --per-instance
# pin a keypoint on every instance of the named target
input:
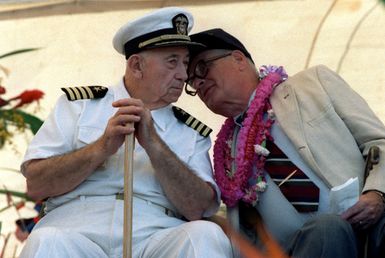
(165, 37)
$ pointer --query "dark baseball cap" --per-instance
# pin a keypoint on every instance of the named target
(217, 39)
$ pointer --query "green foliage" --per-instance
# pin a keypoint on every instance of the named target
(18, 52)
(14, 116)
(33, 123)
(19, 119)
(16, 194)
(11, 118)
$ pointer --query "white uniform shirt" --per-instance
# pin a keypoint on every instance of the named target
(74, 124)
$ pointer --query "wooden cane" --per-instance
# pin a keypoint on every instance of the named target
(128, 188)
(372, 159)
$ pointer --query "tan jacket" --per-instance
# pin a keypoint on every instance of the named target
(331, 126)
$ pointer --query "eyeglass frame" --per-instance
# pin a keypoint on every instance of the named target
(190, 80)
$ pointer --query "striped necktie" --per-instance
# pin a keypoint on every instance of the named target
(298, 189)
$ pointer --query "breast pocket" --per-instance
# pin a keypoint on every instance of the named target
(183, 145)
(327, 114)
(88, 135)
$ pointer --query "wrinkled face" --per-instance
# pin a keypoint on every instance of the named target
(164, 73)
(213, 75)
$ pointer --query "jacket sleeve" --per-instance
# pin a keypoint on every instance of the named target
(364, 125)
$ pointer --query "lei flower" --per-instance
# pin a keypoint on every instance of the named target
(248, 178)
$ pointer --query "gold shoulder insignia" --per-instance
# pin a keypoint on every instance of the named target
(191, 121)
(85, 92)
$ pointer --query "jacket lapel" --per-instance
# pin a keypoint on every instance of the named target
(286, 108)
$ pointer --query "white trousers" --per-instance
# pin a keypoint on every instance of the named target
(93, 227)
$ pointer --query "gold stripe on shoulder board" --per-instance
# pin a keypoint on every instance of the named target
(191, 121)
(85, 92)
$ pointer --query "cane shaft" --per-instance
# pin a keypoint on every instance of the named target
(128, 188)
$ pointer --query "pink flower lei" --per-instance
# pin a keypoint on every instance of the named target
(248, 178)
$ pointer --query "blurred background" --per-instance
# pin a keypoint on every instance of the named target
(69, 43)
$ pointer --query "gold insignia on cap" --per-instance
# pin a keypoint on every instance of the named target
(163, 38)
(85, 92)
(191, 121)
(180, 22)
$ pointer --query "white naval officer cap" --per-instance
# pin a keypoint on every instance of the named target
(168, 26)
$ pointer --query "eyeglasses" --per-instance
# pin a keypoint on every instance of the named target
(201, 70)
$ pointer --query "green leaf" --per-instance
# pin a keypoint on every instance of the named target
(18, 52)
(32, 121)
(16, 194)
(5, 208)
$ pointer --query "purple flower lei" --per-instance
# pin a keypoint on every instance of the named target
(235, 185)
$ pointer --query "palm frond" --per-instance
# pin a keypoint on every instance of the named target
(33, 123)
(16, 194)
(19, 51)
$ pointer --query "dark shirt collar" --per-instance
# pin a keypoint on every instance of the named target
(238, 120)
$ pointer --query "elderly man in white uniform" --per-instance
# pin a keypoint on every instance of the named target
(76, 159)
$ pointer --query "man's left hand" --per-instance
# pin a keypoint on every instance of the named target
(366, 211)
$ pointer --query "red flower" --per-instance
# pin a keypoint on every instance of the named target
(2, 90)
(19, 205)
(3, 102)
(28, 96)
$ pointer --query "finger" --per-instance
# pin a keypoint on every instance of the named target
(125, 120)
(127, 102)
(129, 110)
(124, 129)
(363, 224)
(358, 224)
(361, 220)
(350, 213)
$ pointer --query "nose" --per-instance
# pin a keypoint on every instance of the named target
(181, 73)
(198, 83)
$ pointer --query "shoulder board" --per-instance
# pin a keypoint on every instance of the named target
(191, 121)
(85, 92)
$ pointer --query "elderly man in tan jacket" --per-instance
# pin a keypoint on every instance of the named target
(293, 148)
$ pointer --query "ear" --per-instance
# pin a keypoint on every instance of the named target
(239, 58)
(135, 65)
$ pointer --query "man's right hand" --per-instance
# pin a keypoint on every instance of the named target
(120, 124)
